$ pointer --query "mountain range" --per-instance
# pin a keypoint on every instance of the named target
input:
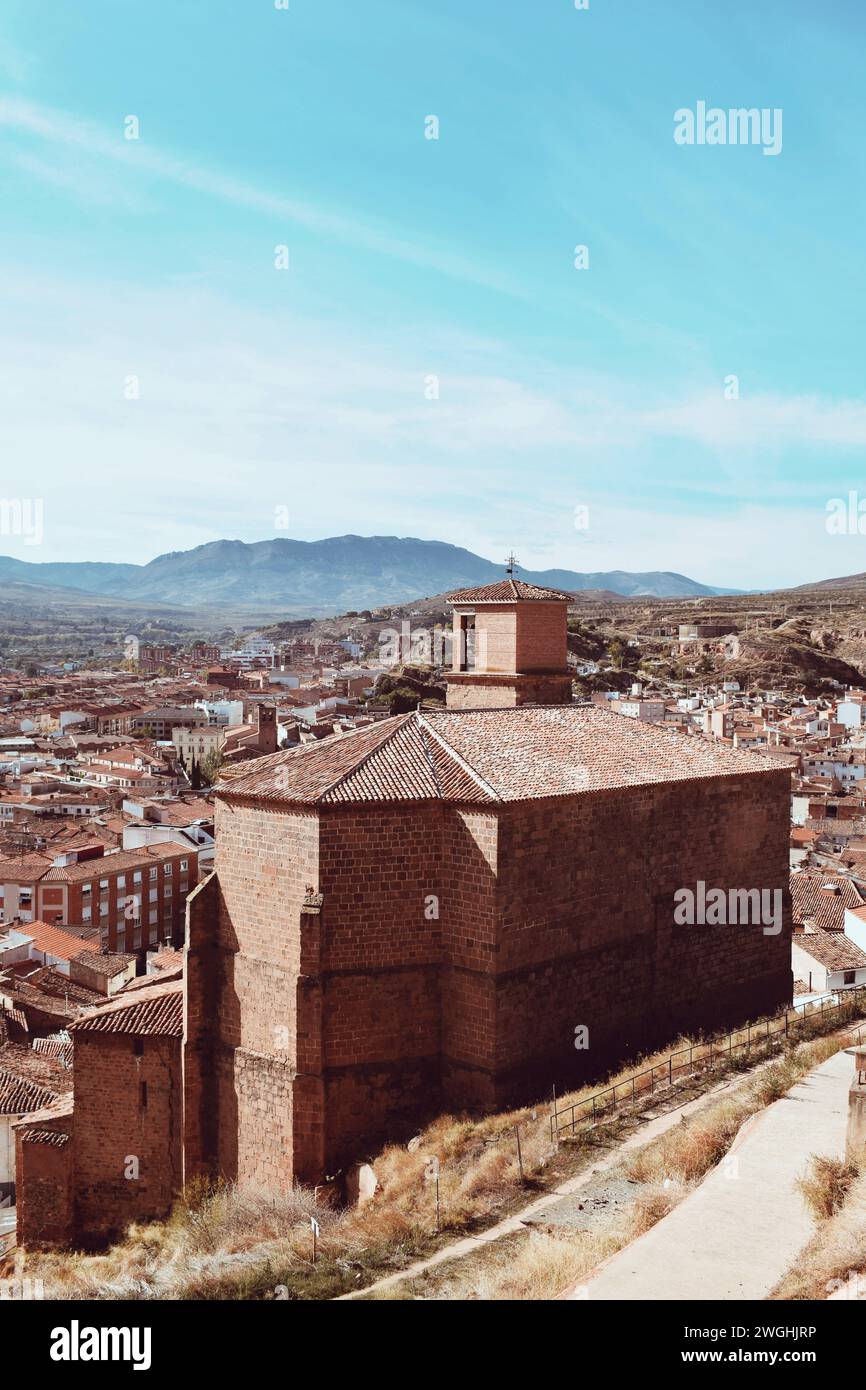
(332, 575)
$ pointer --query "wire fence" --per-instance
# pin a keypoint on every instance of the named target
(703, 1056)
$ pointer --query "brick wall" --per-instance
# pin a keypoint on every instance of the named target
(44, 1187)
(479, 694)
(373, 972)
(587, 922)
(243, 969)
(470, 691)
(449, 954)
(495, 638)
(528, 636)
(117, 1120)
(542, 636)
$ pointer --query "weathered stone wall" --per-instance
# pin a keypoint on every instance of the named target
(243, 973)
(448, 955)
(542, 636)
(380, 874)
(128, 1106)
(588, 935)
(44, 1187)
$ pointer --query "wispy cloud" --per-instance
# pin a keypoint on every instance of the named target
(87, 185)
(241, 411)
(764, 420)
(61, 128)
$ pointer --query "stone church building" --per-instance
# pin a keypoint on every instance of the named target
(420, 915)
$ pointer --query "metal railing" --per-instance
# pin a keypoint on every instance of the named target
(697, 1057)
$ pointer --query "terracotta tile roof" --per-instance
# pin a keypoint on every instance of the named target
(30, 868)
(801, 836)
(161, 962)
(106, 963)
(159, 977)
(55, 941)
(16, 1014)
(55, 1047)
(18, 1096)
(507, 591)
(47, 989)
(832, 949)
(821, 896)
(118, 863)
(157, 1012)
(60, 1108)
(55, 1137)
(487, 756)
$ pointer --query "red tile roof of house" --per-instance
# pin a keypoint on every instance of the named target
(508, 591)
(60, 1108)
(487, 756)
(29, 868)
(55, 1137)
(831, 949)
(801, 836)
(18, 1096)
(821, 896)
(63, 945)
(156, 1012)
(123, 860)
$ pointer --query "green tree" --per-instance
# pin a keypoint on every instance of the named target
(210, 768)
(617, 652)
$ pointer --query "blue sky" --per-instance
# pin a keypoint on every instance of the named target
(299, 402)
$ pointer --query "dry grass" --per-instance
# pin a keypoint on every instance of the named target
(220, 1243)
(685, 1154)
(835, 1257)
(526, 1265)
(667, 1170)
(827, 1184)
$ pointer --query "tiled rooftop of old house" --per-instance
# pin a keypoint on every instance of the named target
(58, 942)
(123, 859)
(821, 896)
(507, 591)
(832, 949)
(153, 1012)
(488, 755)
(19, 1095)
(54, 1137)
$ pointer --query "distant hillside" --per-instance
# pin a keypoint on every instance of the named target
(850, 581)
(333, 575)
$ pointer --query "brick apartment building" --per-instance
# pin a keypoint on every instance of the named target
(419, 915)
(89, 888)
(161, 723)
